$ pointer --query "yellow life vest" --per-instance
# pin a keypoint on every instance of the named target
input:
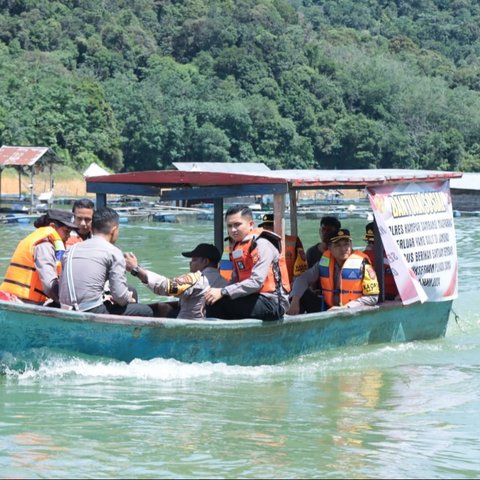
(295, 257)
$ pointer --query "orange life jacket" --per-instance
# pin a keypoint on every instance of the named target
(350, 278)
(244, 255)
(72, 240)
(21, 278)
(294, 257)
(391, 290)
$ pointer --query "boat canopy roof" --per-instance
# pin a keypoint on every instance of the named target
(220, 184)
(216, 185)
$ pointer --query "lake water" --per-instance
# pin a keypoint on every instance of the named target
(385, 411)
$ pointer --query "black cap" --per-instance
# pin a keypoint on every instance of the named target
(205, 250)
(343, 233)
(267, 220)
(60, 216)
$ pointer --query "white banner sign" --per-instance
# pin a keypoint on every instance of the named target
(415, 221)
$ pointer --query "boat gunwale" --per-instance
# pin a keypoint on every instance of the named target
(163, 322)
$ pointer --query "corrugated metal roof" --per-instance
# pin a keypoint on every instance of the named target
(172, 178)
(352, 178)
(221, 167)
(25, 156)
(469, 181)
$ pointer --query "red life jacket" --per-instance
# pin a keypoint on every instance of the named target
(244, 255)
(72, 240)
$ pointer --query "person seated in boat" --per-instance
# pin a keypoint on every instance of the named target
(391, 290)
(82, 211)
(89, 264)
(259, 286)
(294, 252)
(309, 290)
(33, 273)
(329, 225)
(346, 277)
(190, 288)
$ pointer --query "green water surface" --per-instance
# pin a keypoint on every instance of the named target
(383, 411)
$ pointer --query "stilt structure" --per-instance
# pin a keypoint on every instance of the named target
(28, 161)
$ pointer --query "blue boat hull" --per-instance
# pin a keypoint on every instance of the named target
(242, 342)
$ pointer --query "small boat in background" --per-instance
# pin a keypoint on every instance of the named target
(164, 217)
(17, 218)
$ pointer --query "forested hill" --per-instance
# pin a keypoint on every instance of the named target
(139, 84)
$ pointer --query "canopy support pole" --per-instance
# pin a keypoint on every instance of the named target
(379, 270)
(30, 187)
(101, 200)
(278, 220)
(52, 181)
(293, 213)
(218, 223)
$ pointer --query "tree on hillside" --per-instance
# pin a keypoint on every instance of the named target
(139, 84)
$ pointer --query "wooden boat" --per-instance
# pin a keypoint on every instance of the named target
(422, 314)
(240, 342)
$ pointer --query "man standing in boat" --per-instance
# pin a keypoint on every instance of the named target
(260, 284)
(88, 265)
(190, 288)
(346, 278)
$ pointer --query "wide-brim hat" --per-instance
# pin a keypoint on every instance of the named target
(205, 250)
(342, 234)
(267, 220)
(61, 216)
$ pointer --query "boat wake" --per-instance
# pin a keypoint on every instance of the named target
(46, 363)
